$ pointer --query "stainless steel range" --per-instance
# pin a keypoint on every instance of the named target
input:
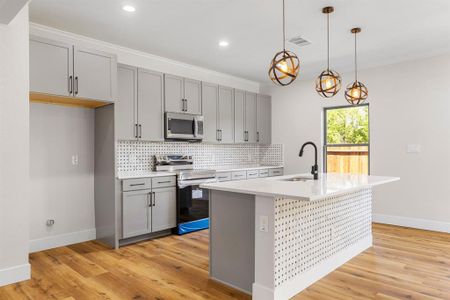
(192, 201)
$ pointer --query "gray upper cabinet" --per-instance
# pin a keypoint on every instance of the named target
(239, 116)
(62, 69)
(126, 104)
(139, 109)
(210, 99)
(173, 93)
(250, 117)
(182, 95)
(264, 119)
(95, 74)
(51, 67)
(136, 213)
(164, 209)
(226, 115)
(150, 105)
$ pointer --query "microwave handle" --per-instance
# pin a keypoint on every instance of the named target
(195, 124)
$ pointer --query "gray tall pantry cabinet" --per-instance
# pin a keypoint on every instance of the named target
(140, 104)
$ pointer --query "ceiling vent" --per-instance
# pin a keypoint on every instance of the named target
(299, 41)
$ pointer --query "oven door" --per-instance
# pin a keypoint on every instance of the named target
(181, 127)
(193, 209)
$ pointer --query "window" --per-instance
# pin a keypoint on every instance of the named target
(346, 148)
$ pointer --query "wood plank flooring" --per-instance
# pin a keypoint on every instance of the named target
(403, 264)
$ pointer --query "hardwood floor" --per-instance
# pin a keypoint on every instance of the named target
(403, 264)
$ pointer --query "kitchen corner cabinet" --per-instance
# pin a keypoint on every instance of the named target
(218, 113)
(264, 119)
(63, 69)
(245, 117)
(182, 95)
(139, 107)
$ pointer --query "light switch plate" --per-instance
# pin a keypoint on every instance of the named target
(264, 223)
(413, 148)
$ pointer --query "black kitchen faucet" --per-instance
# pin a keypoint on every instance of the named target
(315, 168)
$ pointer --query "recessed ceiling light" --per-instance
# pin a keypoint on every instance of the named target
(129, 8)
(224, 43)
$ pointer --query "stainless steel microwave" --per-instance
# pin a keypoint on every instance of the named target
(183, 127)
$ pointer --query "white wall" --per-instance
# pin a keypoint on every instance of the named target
(61, 190)
(14, 150)
(147, 60)
(409, 104)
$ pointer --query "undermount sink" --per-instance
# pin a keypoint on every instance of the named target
(302, 179)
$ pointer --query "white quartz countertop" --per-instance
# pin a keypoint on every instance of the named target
(243, 168)
(328, 184)
(142, 174)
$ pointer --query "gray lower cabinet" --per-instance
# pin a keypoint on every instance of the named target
(182, 95)
(164, 209)
(264, 119)
(136, 213)
(146, 210)
(62, 69)
(139, 108)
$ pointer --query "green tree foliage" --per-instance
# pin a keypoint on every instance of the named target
(348, 125)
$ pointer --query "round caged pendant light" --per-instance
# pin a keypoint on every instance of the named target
(356, 92)
(285, 65)
(328, 83)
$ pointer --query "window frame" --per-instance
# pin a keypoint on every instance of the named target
(326, 146)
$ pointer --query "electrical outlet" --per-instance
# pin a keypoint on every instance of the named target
(75, 159)
(50, 222)
(264, 223)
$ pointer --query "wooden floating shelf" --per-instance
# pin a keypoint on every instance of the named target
(66, 101)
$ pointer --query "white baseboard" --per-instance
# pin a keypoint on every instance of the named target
(62, 240)
(412, 222)
(15, 274)
(301, 282)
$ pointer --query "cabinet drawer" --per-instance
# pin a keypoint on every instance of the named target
(136, 184)
(224, 176)
(252, 174)
(276, 172)
(166, 181)
(263, 173)
(241, 175)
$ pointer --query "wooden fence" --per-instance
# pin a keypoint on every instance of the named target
(350, 159)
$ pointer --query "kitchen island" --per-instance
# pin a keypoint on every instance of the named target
(273, 237)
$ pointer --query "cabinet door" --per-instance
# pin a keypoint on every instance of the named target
(51, 67)
(95, 74)
(264, 119)
(173, 93)
(150, 105)
(250, 116)
(126, 104)
(239, 116)
(164, 209)
(210, 94)
(136, 213)
(193, 96)
(226, 114)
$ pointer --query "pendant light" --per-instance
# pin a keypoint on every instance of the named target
(356, 92)
(285, 64)
(328, 83)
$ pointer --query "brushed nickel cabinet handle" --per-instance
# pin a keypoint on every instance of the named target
(76, 85)
(70, 85)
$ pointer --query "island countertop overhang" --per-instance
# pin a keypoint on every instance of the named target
(328, 184)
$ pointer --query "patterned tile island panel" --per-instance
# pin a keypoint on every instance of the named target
(139, 155)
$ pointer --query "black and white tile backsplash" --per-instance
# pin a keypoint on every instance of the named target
(139, 155)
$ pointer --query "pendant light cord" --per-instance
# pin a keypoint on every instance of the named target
(284, 30)
(356, 61)
(328, 41)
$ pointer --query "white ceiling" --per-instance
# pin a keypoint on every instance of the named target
(189, 30)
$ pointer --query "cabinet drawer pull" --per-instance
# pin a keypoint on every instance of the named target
(137, 184)
(168, 181)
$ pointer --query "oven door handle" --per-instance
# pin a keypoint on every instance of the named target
(185, 183)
